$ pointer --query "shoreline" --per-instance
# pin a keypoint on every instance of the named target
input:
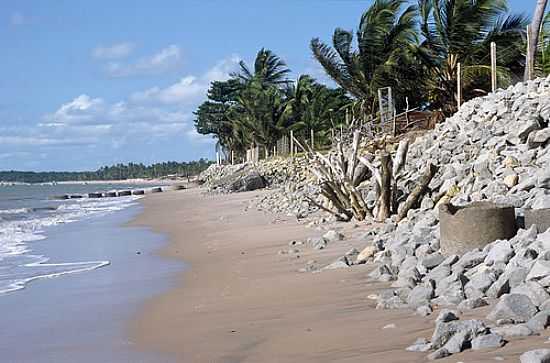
(239, 300)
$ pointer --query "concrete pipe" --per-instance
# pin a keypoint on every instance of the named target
(179, 187)
(109, 194)
(474, 226)
(156, 190)
(138, 192)
(95, 195)
(75, 196)
(538, 217)
(124, 193)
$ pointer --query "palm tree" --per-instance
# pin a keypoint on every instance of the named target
(386, 42)
(544, 45)
(461, 31)
(269, 70)
(536, 25)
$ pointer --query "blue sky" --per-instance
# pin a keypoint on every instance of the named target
(90, 83)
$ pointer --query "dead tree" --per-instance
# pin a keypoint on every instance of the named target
(341, 173)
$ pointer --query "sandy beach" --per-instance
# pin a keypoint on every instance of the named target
(241, 301)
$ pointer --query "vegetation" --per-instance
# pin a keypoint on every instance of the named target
(412, 48)
(114, 172)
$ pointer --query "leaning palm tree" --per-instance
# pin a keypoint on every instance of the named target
(386, 42)
(461, 31)
(269, 70)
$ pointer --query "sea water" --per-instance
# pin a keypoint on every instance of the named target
(27, 212)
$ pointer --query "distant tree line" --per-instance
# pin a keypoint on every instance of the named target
(114, 172)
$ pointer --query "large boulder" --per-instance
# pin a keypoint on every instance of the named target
(517, 307)
(249, 182)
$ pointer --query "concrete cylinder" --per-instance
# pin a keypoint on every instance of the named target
(474, 226)
(124, 193)
(109, 194)
(156, 190)
(138, 192)
(76, 196)
(95, 195)
(538, 217)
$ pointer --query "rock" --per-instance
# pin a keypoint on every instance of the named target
(318, 243)
(252, 181)
(502, 251)
(511, 180)
(489, 341)
(424, 310)
(432, 260)
(534, 291)
(540, 321)
(458, 341)
(438, 354)
(535, 356)
(513, 306)
(446, 315)
(444, 331)
(513, 331)
(420, 295)
(538, 138)
(389, 326)
(333, 236)
(540, 269)
(342, 262)
(420, 345)
(367, 253)
(470, 304)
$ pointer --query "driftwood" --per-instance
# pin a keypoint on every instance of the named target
(341, 173)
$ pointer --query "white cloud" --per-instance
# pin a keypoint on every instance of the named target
(165, 60)
(188, 89)
(91, 125)
(17, 18)
(115, 51)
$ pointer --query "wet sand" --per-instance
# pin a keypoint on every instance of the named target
(241, 301)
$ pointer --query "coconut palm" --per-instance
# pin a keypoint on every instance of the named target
(269, 70)
(536, 26)
(386, 47)
(460, 31)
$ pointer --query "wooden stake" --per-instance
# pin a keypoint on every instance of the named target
(291, 143)
(493, 67)
(528, 60)
(312, 139)
(459, 85)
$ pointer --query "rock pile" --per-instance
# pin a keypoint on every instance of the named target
(289, 178)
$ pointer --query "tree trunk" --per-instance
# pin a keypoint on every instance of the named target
(384, 199)
(534, 36)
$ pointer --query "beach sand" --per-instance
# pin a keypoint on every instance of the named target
(241, 301)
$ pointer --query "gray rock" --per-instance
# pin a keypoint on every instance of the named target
(446, 315)
(420, 345)
(540, 321)
(489, 341)
(470, 304)
(420, 295)
(424, 310)
(342, 262)
(513, 306)
(540, 269)
(535, 356)
(432, 260)
(252, 181)
(458, 341)
(444, 331)
(333, 236)
(318, 243)
(513, 331)
(534, 291)
(482, 280)
(438, 354)
(502, 251)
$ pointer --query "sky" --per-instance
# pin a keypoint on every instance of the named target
(91, 83)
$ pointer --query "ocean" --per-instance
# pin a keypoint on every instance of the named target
(73, 275)
(27, 212)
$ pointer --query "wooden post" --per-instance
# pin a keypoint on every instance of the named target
(232, 157)
(312, 139)
(291, 143)
(528, 60)
(493, 67)
(459, 84)
(217, 157)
